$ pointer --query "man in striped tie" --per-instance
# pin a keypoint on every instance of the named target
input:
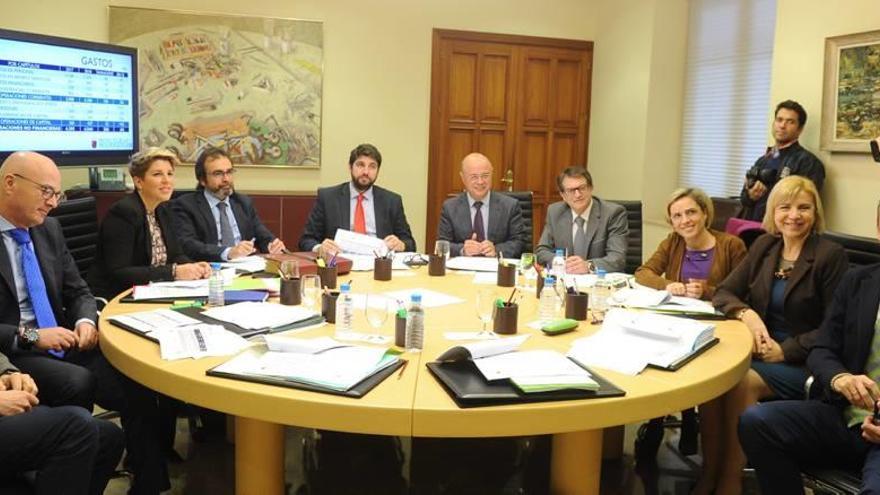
(840, 430)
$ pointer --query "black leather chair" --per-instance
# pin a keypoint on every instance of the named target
(634, 239)
(528, 213)
(79, 222)
(860, 250)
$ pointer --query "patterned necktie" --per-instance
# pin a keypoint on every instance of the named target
(580, 238)
(478, 222)
(36, 286)
(855, 415)
(360, 220)
(226, 237)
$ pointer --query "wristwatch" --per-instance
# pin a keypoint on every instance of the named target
(28, 336)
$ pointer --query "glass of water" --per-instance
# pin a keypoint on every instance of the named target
(441, 248)
(311, 291)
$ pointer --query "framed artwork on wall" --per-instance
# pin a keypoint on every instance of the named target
(249, 85)
(851, 92)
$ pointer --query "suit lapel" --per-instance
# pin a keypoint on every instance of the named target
(868, 298)
(240, 218)
(6, 269)
(205, 209)
(564, 220)
(593, 223)
(494, 225)
(380, 206)
(344, 205)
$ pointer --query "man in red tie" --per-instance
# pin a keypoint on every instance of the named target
(359, 206)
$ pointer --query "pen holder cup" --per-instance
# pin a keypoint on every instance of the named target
(436, 265)
(400, 331)
(539, 286)
(328, 306)
(382, 269)
(576, 306)
(291, 292)
(505, 319)
(328, 276)
(506, 275)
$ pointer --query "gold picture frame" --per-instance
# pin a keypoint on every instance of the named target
(851, 92)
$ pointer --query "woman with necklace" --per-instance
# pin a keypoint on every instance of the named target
(781, 292)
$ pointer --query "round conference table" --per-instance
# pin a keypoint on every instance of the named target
(414, 403)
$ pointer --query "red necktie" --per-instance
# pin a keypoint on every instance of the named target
(360, 220)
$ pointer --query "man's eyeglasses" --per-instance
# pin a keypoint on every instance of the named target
(580, 189)
(47, 192)
(478, 177)
(219, 174)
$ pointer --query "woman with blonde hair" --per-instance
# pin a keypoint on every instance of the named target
(781, 293)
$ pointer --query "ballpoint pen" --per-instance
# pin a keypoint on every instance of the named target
(400, 373)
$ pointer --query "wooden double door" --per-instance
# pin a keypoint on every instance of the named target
(524, 102)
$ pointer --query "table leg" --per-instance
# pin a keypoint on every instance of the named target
(576, 462)
(259, 457)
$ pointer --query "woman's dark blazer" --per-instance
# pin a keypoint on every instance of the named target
(808, 293)
(125, 248)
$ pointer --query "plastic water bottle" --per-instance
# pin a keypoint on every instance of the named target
(599, 296)
(415, 324)
(547, 303)
(344, 311)
(215, 287)
(557, 266)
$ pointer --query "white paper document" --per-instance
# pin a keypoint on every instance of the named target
(304, 346)
(430, 298)
(196, 341)
(476, 350)
(257, 315)
(527, 363)
(339, 368)
(157, 291)
(249, 264)
(629, 341)
(487, 278)
(473, 263)
(148, 322)
(353, 243)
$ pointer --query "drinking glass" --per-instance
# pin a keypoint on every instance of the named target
(289, 269)
(311, 291)
(527, 269)
(485, 309)
(376, 310)
(441, 248)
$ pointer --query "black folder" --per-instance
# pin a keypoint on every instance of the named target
(468, 388)
(356, 392)
(676, 365)
(196, 313)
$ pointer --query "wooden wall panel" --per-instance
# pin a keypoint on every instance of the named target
(462, 82)
(495, 71)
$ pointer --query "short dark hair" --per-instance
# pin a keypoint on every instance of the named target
(210, 153)
(367, 150)
(573, 172)
(794, 107)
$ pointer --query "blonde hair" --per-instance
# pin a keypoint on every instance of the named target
(700, 198)
(141, 161)
(786, 190)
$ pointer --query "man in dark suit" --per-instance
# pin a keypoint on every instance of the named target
(592, 231)
(47, 316)
(359, 206)
(71, 450)
(780, 437)
(215, 223)
(477, 222)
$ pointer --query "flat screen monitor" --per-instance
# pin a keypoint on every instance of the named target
(74, 101)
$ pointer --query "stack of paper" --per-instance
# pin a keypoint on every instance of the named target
(334, 368)
(181, 289)
(661, 301)
(151, 322)
(258, 315)
(430, 298)
(196, 341)
(629, 341)
(247, 264)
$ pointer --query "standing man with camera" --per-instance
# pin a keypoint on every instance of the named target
(786, 157)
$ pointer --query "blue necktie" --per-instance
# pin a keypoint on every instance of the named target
(35, 284)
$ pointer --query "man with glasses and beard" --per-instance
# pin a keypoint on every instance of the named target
(216, 223)
(591, 231)
(359, 206)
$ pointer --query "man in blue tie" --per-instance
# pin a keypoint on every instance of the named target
(48, 315)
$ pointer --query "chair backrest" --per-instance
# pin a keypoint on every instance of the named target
(860, 250)
(725, 208)
(634, 239)
(528, 211)
(79, 223)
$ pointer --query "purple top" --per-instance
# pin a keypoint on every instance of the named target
(697, 264)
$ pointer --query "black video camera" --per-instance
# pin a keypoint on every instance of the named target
(765, 175)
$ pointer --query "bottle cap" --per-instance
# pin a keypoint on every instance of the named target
(560, 252)
(548, 280)
(215, 266)
(344, 288)
(415, 297)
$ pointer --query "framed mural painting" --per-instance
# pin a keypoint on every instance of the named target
(851, 92)
(249, 85)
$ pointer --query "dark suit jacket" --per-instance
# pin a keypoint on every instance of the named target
(607, 231)
(197, 231)
(332, 211)
(844, 340)
(506, 228)
(68, 293)
(125, 248)
(807, 296)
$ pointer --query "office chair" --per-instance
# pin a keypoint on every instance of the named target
(528, 210)
(634, 238)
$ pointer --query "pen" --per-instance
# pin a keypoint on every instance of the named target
(510, 299)
(333, 260)
(400, 373)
